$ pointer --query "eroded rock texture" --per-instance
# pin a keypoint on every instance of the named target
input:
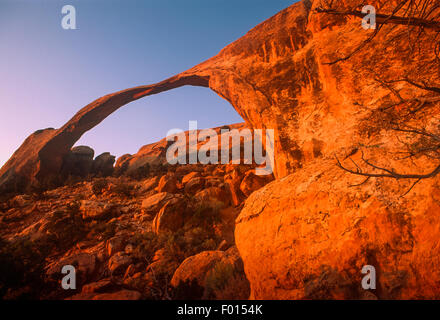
(261, 75)
(308, 235)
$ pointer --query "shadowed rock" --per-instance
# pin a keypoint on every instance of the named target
(42, 153)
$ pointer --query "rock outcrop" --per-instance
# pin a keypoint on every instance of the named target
(309, 235)
(275, 77)
(78, 162)
(253, 74)
(103, 164)
(218, 274)
(154, 154)
(42, 154)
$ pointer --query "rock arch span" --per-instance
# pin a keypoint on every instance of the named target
(42, 153)
(274, 77)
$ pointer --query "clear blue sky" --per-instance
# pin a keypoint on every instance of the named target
(48, 74)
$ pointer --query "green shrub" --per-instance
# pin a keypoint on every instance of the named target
(123, 189)
(66, 227)
(22, 269)
(219, 276)
(141, 173)
(146, 244)
(204, 215)
(225, 282)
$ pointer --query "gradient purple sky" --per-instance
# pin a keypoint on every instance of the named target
(48, 74)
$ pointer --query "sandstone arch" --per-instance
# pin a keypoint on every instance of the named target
(42, 153)
(227, 74)
(275, 77)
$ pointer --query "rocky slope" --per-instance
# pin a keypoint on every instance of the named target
(154, 232)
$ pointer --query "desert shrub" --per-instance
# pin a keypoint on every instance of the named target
(188, 242)
(204, 215)
(146, 244)
(197, 235)
(123, 189)
(22, 269)
(104, 231)
(141, 173)
(219, 276)
(160, 169)
(188, 290)
(225, 282)
(66, 227)
(99, 185)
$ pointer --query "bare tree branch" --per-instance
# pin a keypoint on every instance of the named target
(387, 19)
(387, 173)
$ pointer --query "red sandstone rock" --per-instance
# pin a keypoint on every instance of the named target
(213, 195)
(252, 182)
(168, 183)
(189, 176)
(233, 180)
(103, 164)
(153, 204)
(194, 185)
(170, 217)
(308, 234)
(200, 269)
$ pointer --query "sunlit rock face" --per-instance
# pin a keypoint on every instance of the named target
(275, 77)
(309, 233)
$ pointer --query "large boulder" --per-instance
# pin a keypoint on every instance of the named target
(171, 217)
(309, 236)
(168, 183)
(122, 164)
(218, 275)
(79, 161)
(194, 184)
(103, 164)
(150, 183)
(252, 182)
(152, 204)
(190, 176)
